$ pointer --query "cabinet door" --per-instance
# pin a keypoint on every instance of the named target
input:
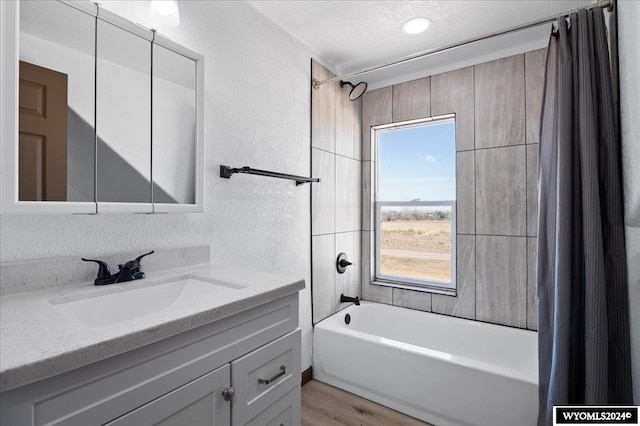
(56, 103)
(123, 117)
(198, 403)
(174, 125)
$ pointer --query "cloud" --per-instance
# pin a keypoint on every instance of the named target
(430, 159)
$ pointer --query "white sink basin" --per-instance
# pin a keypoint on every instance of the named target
(136, 302)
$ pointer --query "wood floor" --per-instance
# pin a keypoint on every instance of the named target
(324, 405)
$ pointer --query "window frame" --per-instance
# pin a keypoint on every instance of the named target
(431, 286)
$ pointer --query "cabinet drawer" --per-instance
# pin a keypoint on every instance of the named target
(285, 412)
(264, 376)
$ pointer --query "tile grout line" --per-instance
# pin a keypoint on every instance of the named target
(497, 147)
(526, 195)
(475, 205)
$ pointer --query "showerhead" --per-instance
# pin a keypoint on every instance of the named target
(356, 91)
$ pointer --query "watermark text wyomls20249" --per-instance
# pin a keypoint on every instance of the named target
(593, 415)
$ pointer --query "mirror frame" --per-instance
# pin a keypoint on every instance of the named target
(9, 119)
(9, 77)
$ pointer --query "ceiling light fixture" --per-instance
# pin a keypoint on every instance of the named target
(165, 12)
(416, 25)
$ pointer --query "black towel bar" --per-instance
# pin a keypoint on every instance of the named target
(226, 172)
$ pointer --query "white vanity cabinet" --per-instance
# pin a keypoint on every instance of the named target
(253, 355)
(196, 403)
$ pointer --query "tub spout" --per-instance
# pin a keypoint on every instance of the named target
(346, 299)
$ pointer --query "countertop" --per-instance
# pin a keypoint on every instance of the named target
(38, 341)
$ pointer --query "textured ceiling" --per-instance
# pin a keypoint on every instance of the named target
(352, 35)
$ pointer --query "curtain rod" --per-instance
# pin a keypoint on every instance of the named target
(425, 53)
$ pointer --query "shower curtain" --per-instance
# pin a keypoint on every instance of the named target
(583, 315)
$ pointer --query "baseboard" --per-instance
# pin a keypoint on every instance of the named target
(307, 375)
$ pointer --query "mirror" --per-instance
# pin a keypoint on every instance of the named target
(107, 116)
(123, 115)
(174, 127)
(56, 111)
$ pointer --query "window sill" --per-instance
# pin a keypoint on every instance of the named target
(415, 287)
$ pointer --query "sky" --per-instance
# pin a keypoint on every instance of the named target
(417, 163)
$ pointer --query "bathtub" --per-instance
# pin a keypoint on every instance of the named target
(439, 369)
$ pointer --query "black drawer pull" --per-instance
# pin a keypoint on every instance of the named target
(283, 371)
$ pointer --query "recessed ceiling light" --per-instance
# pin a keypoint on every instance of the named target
(416, 25)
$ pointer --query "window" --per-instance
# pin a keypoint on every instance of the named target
(415, 207)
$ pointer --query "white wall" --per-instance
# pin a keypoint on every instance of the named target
(629, 56)
(257, 107)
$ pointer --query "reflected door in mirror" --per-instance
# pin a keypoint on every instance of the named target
(42, 134)
(56, 103)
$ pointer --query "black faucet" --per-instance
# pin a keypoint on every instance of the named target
(132, 270)
(346, 299)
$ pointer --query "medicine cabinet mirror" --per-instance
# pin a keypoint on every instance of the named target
(174, 127)
(98, 114)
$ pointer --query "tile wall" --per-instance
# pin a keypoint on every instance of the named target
(336, 199)
(497, 106)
